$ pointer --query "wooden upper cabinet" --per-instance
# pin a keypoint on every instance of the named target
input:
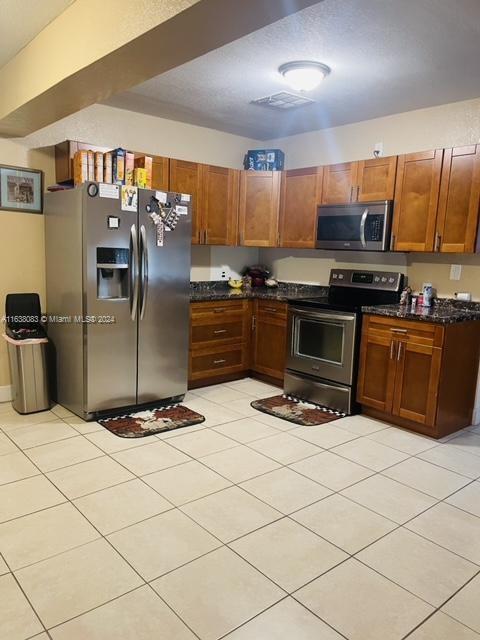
(301, 193)
(185, 177)
(339, 181)
(458, 206)
(376, 179)
(259, 208)
(416, 199)
(219, 204)
(160, 173)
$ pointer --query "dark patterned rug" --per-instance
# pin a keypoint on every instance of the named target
(297, 411)
(149, 421)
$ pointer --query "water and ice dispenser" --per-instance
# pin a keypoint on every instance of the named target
(112, 273)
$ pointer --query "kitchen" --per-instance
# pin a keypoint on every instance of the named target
(247, 524)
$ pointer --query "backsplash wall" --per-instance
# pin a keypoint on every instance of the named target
(207, 262)
(313, 267)
(435, 268)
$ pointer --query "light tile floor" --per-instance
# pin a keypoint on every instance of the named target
(245, 527)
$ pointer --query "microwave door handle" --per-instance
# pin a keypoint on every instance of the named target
(362, 228)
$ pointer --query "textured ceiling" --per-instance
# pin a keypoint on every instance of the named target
(387, 56)
(22, 20)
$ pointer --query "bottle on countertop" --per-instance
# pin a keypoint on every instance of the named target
(427, 294)
(405, 296)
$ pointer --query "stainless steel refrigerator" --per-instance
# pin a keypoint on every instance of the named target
(118, 272)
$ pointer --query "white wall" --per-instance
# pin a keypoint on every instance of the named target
(112, 127)
(447, 125)
(313, 267)
(453, 124)
(208, 263)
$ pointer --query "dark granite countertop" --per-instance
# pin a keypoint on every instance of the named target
(206, 291)
(444, 311)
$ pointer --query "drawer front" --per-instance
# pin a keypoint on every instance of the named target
(214, 362)
(272, 309)
(205, 311)
(205, 334)
(418, 332)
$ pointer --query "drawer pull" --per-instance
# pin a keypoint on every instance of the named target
(220, 331)
(272, 309)
(398, 330)
(221, 361)
(218, 310)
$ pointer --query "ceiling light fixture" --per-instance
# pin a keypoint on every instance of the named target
(304, 75)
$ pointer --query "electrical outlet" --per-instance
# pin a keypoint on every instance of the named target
(455, 271)
(378, 149)
(224, 272)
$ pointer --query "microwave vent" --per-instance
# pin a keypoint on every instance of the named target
(283, 101)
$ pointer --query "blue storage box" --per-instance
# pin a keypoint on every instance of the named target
(264, 160)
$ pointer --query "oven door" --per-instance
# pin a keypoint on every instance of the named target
(322, 343)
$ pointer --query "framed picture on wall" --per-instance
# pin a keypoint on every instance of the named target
(21, 189)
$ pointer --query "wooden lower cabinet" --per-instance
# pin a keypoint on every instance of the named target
(419, 375)
(219, 340)
(232, 338)
(269, 338)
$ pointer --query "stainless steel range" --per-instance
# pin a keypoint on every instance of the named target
(324, 336)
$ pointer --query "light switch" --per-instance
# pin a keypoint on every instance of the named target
(455, 271)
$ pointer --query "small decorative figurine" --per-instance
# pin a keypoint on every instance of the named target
(405, 296)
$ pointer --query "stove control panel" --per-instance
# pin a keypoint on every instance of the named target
(379, 280)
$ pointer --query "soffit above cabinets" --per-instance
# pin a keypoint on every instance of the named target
(386, 57)
(21, 21)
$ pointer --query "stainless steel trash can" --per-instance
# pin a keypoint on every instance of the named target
(28, 372)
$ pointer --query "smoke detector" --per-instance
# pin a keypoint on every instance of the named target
(283, 101)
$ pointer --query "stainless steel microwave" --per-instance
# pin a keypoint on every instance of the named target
(364, 226)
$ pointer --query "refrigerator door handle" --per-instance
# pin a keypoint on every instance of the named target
(133, 272)
(144, 270)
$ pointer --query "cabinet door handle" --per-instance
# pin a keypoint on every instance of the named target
(395, 330)
(221, 361)
(438, 242)
(199, 236)
(206, 237)
(351, 193)
(254, 323)
(392, 243)
(220, 331)
(399, 353)
(392, 349)
(358, 191)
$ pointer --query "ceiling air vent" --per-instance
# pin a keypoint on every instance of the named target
(283, 101)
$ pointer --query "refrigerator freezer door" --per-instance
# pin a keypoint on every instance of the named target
(164, 306)
(110, 277)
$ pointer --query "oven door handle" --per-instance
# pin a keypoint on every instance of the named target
(362, 228)
(318, 315)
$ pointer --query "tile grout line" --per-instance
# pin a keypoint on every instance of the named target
(439, 609)
(235, 484)
(103, 603)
